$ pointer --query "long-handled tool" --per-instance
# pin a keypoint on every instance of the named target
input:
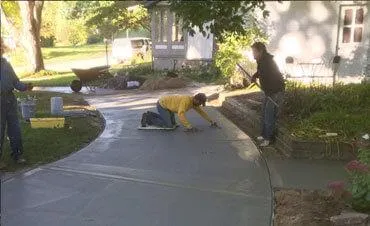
(249, 77)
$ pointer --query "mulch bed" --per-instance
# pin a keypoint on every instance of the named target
(305, 207)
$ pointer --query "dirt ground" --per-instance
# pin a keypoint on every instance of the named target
(305, 207)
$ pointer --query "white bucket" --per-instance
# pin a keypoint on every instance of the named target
(56, 104)
(28, 109)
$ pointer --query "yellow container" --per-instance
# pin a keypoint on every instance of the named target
(47, 122)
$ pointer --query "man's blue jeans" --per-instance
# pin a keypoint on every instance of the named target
(270, 114)
(168, 118)
(9, 120)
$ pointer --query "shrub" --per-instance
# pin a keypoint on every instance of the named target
(311, 111)
(358, 193)
(144, 69)
(359, 177)
(94, 38)
(302, 101)
(47, 41)
(231, 50)
(77, 34)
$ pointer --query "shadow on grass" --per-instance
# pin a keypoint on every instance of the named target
(47, 145)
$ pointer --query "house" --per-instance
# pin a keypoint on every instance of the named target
(172, 47)
(310, 33)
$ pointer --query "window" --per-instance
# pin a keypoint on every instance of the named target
(348, 17)
(353, 25)
(177, 32)
(161, 25)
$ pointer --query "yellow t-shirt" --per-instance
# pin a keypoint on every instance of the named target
(181, 104)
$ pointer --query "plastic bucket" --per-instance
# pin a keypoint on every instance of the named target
(56, 104)
(28, 109)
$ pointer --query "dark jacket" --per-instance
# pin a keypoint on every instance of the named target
(8, 79)
(270, 78)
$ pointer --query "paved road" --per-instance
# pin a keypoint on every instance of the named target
(138, 178)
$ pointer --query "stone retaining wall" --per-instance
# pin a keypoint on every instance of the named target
(249, 120)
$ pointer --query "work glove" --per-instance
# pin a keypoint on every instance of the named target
(215, 125)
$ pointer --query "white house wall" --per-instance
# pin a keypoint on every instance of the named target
(308, 31)
(199, 47)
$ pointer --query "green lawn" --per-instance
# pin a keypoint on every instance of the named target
(60, 54)
(62, 79)
(47, 145)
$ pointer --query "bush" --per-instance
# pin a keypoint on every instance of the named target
(311, 111)
(303, 101)
(94, 38)
(360, 181)
(47, 41)
(77, 34)
(206, 73)
(144, 69)
(230, 51)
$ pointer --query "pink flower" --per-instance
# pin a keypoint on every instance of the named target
(357, 166)
(336, 185)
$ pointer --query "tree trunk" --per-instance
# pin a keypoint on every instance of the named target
(31, 18)
(9, 26)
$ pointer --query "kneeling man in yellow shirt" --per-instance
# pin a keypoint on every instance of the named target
(167, 106)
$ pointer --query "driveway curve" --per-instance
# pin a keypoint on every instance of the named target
(138, 178)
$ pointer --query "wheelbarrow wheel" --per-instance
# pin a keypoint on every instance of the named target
(76, 85)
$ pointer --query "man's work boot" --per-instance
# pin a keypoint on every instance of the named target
(143, 120)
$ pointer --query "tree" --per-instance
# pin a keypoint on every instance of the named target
(110, 16)
(226, 16)
(24, 20)
(31, 17)
(11, 22)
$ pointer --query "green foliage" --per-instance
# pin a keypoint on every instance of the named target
(52, 80)
(144, 69)
(205, 73)
(12, 12)
(49, 19)
(227, 16)
(303, 101)
(110, 17)
(48, 145)
(360, 181)
(42, 73)
(311, 111)
(94, 38)
(230, 50)
(77, 33)
(47, 41)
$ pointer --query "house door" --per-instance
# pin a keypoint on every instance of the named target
(351, 38)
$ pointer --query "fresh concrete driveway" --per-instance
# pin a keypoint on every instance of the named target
(139, 178)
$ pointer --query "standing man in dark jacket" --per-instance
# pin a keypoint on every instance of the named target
(272, 84)
(8, 104)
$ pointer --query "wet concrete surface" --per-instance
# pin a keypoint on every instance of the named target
(134, 177)
(306, 173)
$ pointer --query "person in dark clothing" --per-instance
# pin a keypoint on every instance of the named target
(9, 110)
(273, 85)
